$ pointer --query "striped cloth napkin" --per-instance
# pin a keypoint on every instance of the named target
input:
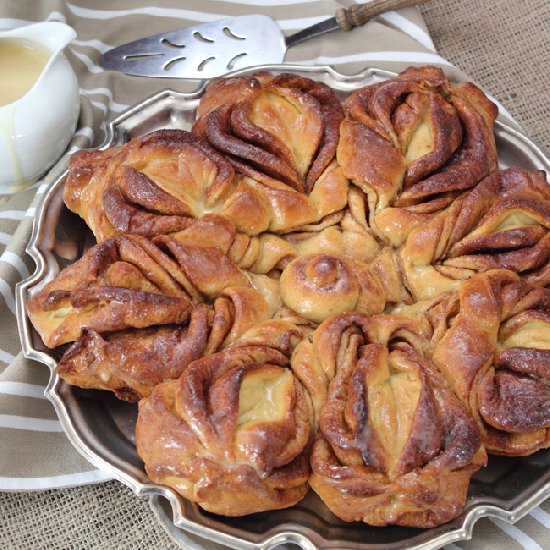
(35, 454)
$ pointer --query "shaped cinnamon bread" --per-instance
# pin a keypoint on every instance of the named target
(413, 143)
(135, 309)
(395, 444)
(285, 126)
(503, 223)
(495, 353)
(302, 283)
(132, 362)
(317, 286)
(159, 183)
(121, 283)
(233, 432)
(281, 133)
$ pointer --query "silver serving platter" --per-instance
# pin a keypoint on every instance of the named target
(102, 428)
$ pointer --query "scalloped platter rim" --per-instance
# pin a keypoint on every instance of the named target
(101, 427)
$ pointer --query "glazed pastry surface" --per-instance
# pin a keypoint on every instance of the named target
(496, 353)
(306, 290)
(233, 433)
(395, 444)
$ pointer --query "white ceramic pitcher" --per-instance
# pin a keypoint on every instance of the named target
(36, 128)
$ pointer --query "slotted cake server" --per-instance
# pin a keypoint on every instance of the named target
(213, 49)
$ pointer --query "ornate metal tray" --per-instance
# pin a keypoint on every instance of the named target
(102, 428)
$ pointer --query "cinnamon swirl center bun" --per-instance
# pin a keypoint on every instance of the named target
(317, 286)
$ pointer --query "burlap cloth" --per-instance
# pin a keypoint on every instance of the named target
(502, 44)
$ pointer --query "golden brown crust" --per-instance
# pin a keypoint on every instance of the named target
(232, 90)
(356, 244)
(131, 189)
(317, 286)
(286, 126)
(132, 362)
(281, 134)
(158, 184)
(414, 142)
(495, 354)
(115, 285)
(503, 223)
(130, 282)
(396, 445)
(208, 269)
(215, 439)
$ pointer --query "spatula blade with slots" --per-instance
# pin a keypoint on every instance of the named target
(202, 51)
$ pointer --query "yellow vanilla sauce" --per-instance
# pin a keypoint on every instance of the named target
(21, 63)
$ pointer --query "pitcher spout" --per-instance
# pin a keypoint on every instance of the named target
(52, 36)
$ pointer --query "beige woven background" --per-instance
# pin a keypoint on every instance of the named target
(505, 46)
(502, 44)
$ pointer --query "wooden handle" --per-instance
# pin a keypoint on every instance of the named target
(359, 14)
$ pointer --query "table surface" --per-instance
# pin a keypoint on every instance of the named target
(503, 45)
